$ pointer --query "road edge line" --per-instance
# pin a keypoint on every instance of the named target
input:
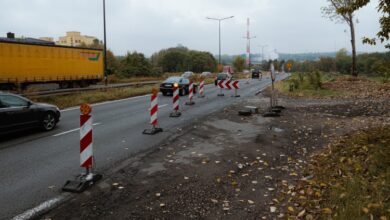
(41, 208)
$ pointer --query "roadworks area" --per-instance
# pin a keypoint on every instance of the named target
(228, 166)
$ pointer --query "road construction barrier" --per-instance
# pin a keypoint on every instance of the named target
(87, 179)
(153, 114)
(228, 84)
(86, 142)
(176, 98)
(191, 93)
(201, 89)
(221, 84)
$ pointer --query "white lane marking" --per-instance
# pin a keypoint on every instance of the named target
(38, 209)
(107, 102)
(73, 130)
(160, 106)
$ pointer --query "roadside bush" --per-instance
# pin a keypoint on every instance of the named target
(301, 77)
(314, 79)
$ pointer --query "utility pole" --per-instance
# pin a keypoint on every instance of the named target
(104, 45)
(248, 46)
(219, 33)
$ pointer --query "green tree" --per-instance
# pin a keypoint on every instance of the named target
(135, 64)
(179, 59)
(239, 63)
(384, 8)
(343, 11)
(343, 61)
(327, 64)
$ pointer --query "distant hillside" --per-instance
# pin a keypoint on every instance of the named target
(305, 56)
(255, 58)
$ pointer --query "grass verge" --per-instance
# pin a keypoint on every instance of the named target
(307, 85)
(351, 180)
(64, 101)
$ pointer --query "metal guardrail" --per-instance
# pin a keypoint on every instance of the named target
(76, 90)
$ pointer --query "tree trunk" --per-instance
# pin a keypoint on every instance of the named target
(353, 43)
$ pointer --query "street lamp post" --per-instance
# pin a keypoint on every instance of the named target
(219, 26)
(104, 45)
(262, 51)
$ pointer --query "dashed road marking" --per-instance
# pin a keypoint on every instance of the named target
(73, 130)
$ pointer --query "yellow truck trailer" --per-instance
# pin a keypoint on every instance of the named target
(22, 64)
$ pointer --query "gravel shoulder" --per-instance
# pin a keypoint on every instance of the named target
(225, 166)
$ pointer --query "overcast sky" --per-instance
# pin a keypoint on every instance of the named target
(288, 26)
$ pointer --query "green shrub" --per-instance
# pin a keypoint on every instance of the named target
(314, 80)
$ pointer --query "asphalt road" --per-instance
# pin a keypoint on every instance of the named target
(35, 165)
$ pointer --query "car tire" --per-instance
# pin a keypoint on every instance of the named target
(164, 94)
(49, 121)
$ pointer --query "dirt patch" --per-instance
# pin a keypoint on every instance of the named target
(227, 166)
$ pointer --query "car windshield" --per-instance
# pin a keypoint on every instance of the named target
(173, 79)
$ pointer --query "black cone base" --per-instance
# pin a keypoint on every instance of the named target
(152, 131)
(175, 114)
(81, 183)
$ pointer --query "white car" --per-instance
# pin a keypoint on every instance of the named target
(187, 74)
(205, 74)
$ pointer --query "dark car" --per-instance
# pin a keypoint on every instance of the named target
(222, 76)
(256, 74)
(18, 113)
(167, 86)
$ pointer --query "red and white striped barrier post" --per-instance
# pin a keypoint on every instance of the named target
(86, 142)
(221, 86)
(153, 114)
(191, 93)
(176, 99)
(83, 181)
(201, 89)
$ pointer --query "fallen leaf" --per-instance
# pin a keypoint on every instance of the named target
(251, 202)
(272, 209)
(326, 211)
(301, 213)
(290, 209)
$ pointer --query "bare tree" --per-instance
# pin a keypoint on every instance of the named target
(343, 11)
